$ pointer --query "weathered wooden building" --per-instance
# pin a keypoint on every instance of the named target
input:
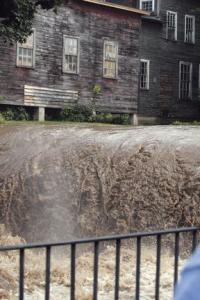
(170, 43)
(145, 55)
(170, 59)
(87, 42)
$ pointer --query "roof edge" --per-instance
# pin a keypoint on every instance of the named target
(117, 6)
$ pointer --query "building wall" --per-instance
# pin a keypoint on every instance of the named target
(173, 53)
(92, 24)
(165, 56)
(149, 100)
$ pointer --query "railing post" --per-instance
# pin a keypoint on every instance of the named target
(158, 256)
(117, 268)
(96, 269)
(176, 257)
(48, 272)
(21, 274)
(73, 271)
(138, 264)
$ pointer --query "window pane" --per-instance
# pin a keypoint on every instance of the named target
(110, 59)
(189, 29)
(71, 46)
(171, 25)
(71, 63)
(144, 75)
(147, 5)
(185, 80)
(70, 55)
(25, 52)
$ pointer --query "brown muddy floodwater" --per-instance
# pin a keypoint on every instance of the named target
(62, 182)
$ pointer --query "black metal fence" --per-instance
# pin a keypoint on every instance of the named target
(138, 237)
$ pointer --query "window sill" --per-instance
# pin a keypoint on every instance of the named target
(111, 78)
(70, 73)
(26, 67)
(145, 90)
(190, 43)
(173, 41)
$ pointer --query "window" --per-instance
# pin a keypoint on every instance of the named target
(171, 25)
(144, 74)
(110, 59)
(147, 5)
(70, 55)
(26, 52)
(185, 80)
(189, 29)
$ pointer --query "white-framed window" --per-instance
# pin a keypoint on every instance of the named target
(185, 80)
(26, 52)
(190, 29)
(144, 74)
(110, 59)
(171, 32)
(148, 5)
(70, 54)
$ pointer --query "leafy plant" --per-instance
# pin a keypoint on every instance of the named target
(15, 114)
(96, 89)
(16, 17)
(78, 113)
(2, 119)
(95, 92)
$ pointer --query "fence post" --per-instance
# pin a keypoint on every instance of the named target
(21, 274)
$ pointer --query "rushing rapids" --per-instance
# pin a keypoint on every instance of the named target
(61, 182)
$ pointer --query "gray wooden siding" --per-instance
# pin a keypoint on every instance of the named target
(92, 25)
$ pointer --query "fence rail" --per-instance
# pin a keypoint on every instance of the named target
(117, 239)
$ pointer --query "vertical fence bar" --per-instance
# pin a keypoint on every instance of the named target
(194, 240)
(117, 268)
(96, 270)
(73, 271)
(158, 257)
(176, 257)
(48, 272)
(138, 264)
(21, 274)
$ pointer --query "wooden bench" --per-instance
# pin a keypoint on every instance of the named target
(48, 97)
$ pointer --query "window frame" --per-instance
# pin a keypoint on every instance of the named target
(116, 61)
(194, 29)
(78, 55)
(176, 24)
(153, 4)
(33, 49)
(147, 61)
(190, 64)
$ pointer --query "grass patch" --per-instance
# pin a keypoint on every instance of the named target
(184, 123)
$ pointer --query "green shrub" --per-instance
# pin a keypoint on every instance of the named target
(194, 123)
(85, 113)
(123, 119)
(2, 119)
(15, 114)
(21, 114)
(8, 115)
(78, 113)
